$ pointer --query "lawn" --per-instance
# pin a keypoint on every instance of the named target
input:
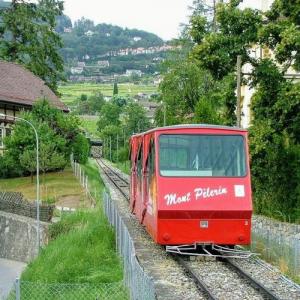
(55, 186)
(72, 91)
(89, 123)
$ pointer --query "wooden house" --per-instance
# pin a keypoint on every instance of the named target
(19, 90)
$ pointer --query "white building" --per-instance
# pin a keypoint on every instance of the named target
(133, 72)
(76, 70)
(103, 63)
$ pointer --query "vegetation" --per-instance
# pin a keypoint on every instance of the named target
(58, 134)
(72, 92)
(32, 40)
(191, 95)
(116, 124)
(274, 134)
(89, 124)
(101, 39)
(81, 249)
(84, 237)
(56, 187)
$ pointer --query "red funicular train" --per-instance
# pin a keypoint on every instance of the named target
(190, 185)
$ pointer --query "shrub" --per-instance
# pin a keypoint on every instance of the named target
(81, 149)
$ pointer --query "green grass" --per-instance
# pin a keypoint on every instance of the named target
(95, 181)
(71, 92)
(82, 246)
(53, 185)
(123, 166)
(89, 123)
(81, 251)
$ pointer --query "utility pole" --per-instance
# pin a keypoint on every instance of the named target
(165, 112)
(238, 90)
(117, 148)
(214, 16)
(110, 148)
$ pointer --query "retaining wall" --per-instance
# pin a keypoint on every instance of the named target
(18, 237)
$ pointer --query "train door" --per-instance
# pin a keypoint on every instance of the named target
(133, 173)
(139, 182)
(148, 176)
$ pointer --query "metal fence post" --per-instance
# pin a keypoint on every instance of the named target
(18, 289)
(117, 147)
(297, 256)
(110, 148)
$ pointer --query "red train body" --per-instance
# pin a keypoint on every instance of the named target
(190, 184)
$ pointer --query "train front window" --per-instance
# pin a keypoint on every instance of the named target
(187, 155)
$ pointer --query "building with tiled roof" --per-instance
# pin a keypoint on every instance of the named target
(19, 90)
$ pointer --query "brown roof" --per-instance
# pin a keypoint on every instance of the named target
(20, 86)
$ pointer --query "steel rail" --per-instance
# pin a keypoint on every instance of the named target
(198, 281)
(252, 281)
(111, 173)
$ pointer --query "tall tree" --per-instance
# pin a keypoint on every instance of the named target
(28, 36)
(135, 119)
(116, 90)
(274, 134)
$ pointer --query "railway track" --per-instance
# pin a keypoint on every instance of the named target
(116, 179)
(212, 289)
(248, 286)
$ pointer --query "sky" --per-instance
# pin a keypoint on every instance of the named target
(162, 17)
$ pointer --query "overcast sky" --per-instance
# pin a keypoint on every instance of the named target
(161, 17)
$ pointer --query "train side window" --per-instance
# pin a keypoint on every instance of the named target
(140, 162)
(151, 160)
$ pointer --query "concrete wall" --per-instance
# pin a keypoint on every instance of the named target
(18, 237)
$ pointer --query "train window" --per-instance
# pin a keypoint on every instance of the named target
(202, 155)
(140, 162)
(151, 160)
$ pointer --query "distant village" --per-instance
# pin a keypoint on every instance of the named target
(89, 69)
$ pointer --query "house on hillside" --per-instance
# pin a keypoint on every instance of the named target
(19, 90)
(133, 72)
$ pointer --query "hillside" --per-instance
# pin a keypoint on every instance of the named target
(94, 49)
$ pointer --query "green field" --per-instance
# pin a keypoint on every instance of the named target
(71, 92)
(89, 123)
(55, 185)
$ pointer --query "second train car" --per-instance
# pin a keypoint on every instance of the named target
(190, 185)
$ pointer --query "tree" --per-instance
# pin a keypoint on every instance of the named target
(51, 158)
(237, 32)
(62, 22)
(281, 32)
(116, 90)
(109, 135)
(28, 37)
(190, 94)
(274, 134)
(28, 161)
(135, 119)
(109, 115)
(90, 105)
(59, 136)
(83, 25)
(81, 149)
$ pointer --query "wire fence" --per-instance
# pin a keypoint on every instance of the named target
(24, 290)
(140, 284)
(84, 181)
(278, 242)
